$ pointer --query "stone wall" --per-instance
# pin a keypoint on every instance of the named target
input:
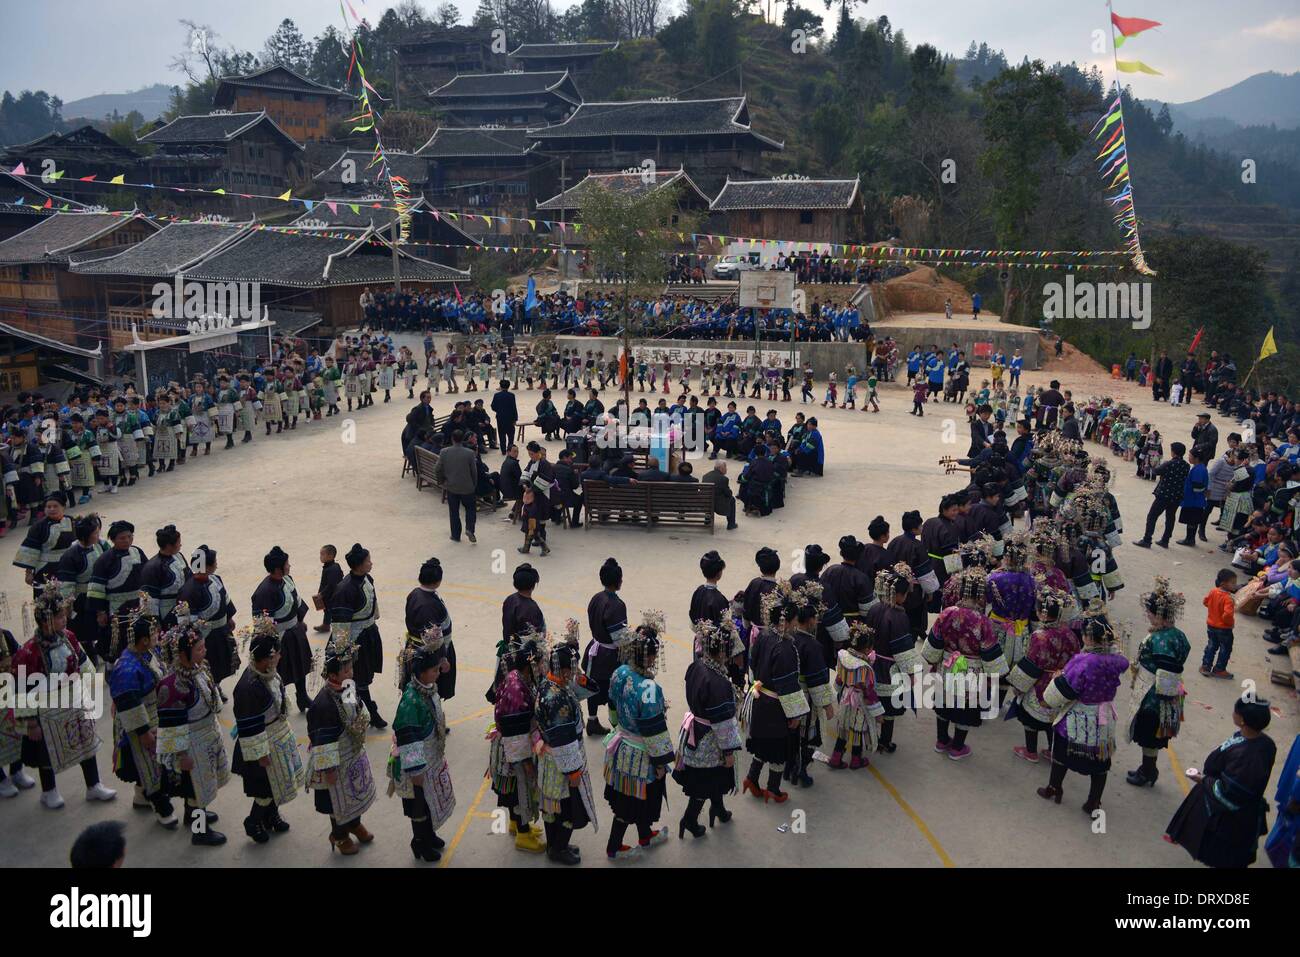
(827, 357)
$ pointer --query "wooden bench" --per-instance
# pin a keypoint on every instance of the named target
(438, 422)
(425, 463)
(650, 504)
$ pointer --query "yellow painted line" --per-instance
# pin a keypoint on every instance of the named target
(1178, 771)
(464, 824)
(916, 818)
(481, 712)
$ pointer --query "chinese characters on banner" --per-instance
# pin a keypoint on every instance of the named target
(740, 358)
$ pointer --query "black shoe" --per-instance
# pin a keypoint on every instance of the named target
(277, 824)
(804, 780)
(436, 842)
(724, 816)
(565, 855)
(1163, 543)
(1139, 779)
(594, 727)
(1279, 650)
(208, 838)
(424, 852)
(254, 829)
(1142, 543)
(697, 829)
(377, 722)
(1189, 544)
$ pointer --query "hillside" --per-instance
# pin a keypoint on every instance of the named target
(149, 102)
(1265, 99)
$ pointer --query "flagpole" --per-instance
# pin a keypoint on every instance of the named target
(1119, 96)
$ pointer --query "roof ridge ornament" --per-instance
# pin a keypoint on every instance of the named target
(791, 178)
(663, 99)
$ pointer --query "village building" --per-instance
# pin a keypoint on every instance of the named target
(355, 173)
(25, 202)
(564, 209)
(424, 63)
(486, 170)
(84, 159)
(312, 273)
(247, 155)
(711, 139)
(38, 291)
(577, 58)
(803, 211)
(425, 234)
(507, 99)
(127, 303)
(302, 108)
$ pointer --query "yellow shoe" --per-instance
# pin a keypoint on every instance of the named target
(530, 841)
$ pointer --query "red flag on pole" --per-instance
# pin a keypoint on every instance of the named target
(459, 300)
(1191, 350)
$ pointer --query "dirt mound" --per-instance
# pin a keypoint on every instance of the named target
(924, 290)
(1071, 361)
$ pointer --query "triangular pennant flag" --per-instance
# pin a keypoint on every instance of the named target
(58, 175)
(355, 208)
(1131, 26)
(86, 179)
(219, 192)
(1136, 66)
(1269, 348)
(333, 207)
(285, 195)
(118, 180)
(49, 204)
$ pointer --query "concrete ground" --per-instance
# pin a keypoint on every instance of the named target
(913, 808)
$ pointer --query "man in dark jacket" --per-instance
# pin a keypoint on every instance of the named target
(457, 473)
(1205, 436)
(652, 472)
(331, 574)
(570, 495)
(1070, 424)
(724, 502)
(507, 413)
(981, 430)
(1170, 477)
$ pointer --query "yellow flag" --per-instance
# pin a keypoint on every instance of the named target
(118, 180)
(1269, 348)
(1136, 66)
(285, 195)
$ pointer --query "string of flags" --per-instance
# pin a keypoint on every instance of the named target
(1113, 160)
(875, 255)
(368, 120)
(945, 253)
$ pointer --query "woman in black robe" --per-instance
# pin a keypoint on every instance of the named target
(1221, 821)
(354, 607)
(710, 736)
(548, 419)
(277, 596)
(424, 607)
(607, 619)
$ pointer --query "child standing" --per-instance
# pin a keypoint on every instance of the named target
(858, 724)
(850, 389)
(1220, 617)
(1176, 394)
(872, 403)
(807, 385)
(919, 392)
(831, 387)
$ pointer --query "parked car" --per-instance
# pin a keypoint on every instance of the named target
(730, 267)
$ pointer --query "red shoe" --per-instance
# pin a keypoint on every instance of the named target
(749, 787)
(858, 762)
(776, 797)
(837, 761)
(941, 747)
(1022, 752)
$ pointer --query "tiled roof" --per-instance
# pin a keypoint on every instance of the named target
(655, 118)
(211, 128)
(506, 84)
(562, 50)
(411, 167)
(54, 238)
(447, 142)
(165, 253)
(786, 194)
(278, 78)
(629, 184)
(309, 261)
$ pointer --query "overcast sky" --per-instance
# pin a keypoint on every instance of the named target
(76, 48)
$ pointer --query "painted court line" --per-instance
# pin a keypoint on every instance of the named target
(916, 818)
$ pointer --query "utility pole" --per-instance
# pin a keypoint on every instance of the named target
(397, 265)
(563, 182)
